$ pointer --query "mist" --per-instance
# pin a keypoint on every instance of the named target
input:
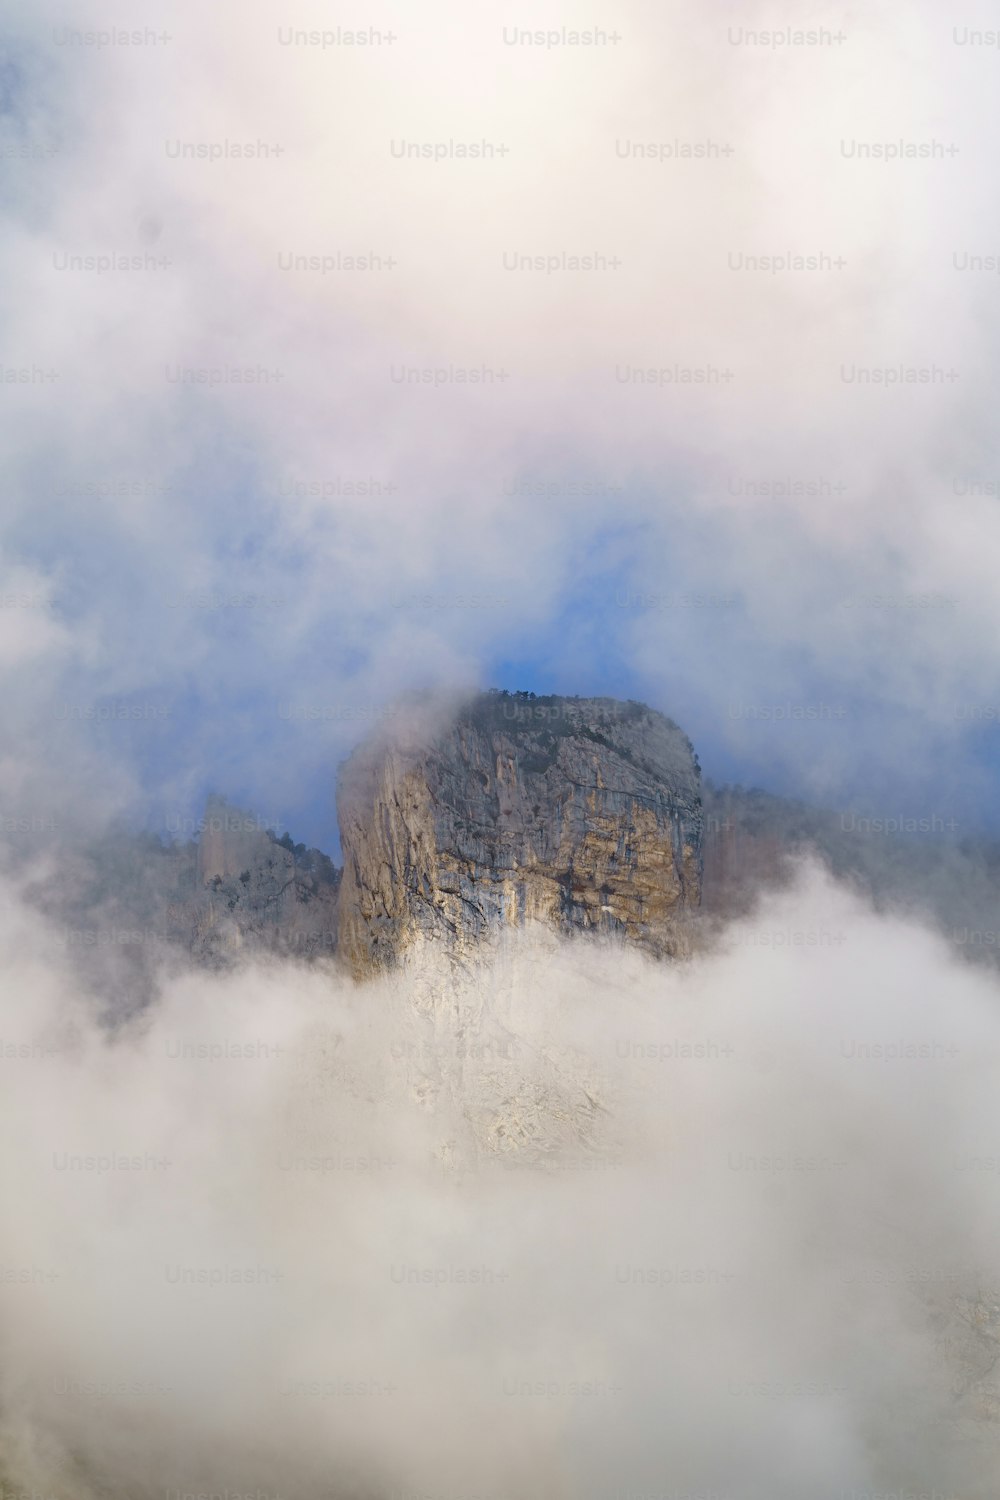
(571, 1224)
(281, 555)
(293, 431)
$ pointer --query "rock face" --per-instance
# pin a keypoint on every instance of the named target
(253, 890)
(584, 813)
(130, 906)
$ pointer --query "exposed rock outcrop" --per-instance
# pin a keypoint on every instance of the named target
(582, 813)
(254, 890)
(130, 907)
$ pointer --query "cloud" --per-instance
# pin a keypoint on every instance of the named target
(585, 1226)
(269, 459)
(261, 480)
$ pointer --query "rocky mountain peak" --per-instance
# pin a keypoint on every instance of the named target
(583, 813)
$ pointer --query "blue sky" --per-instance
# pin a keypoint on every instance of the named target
(203, 546)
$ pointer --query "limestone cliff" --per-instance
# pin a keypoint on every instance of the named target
(583, 813)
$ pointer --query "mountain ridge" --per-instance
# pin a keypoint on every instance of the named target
(131, 904)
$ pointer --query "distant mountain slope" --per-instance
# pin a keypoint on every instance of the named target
(752, 838)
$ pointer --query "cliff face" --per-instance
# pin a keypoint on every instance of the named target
(129, 906)
(254, 891)
(584, 813)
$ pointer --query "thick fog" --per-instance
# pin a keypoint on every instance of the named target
(680, 387)
(573, 1225)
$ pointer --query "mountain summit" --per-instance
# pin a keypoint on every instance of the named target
(583, 813)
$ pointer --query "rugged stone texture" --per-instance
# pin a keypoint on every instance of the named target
(129, 908)
(253, 890)
(583, 813)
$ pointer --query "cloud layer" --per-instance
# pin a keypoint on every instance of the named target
(740, 462)
(290, 477)
(606, 1228)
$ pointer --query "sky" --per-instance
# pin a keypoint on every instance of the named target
(289, 432)
(657, 361)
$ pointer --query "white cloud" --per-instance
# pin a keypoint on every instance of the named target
(752, 1238)
(221, 302)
